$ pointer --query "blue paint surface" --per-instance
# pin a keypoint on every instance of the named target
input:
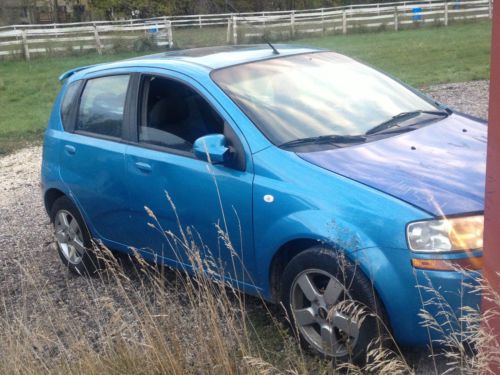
(440, 168)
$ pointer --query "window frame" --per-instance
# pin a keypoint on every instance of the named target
(137, 103)
(126, 108)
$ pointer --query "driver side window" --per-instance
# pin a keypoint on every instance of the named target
(173, 115)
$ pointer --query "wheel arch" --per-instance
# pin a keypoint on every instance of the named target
(299, 231)
(293, 248)
(50, 196)
(283, 256)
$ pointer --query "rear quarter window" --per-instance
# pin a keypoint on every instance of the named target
(102, 105)
(69, 102)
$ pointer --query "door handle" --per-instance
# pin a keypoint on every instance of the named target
(70, 150)
(145, 167)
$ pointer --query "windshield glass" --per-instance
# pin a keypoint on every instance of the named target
(314, 95)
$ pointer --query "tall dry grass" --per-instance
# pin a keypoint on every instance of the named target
(139, 318)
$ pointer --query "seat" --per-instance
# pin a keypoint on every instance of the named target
(167, 124)
(169, 114)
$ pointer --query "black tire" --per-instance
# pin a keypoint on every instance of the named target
(88, 263)
(357, 287)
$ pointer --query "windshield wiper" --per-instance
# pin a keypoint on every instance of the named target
(334, 139)
(396, 120)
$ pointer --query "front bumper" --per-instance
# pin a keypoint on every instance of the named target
(423, 306)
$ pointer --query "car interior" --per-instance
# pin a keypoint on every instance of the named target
(174, 115)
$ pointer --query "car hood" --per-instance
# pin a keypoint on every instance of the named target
(439, 168)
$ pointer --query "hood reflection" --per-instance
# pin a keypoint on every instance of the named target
(439, 168)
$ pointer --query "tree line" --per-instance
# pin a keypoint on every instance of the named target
(151, 8)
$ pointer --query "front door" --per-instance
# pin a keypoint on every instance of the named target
(182, 206)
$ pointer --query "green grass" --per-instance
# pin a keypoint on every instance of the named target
(419, 57)
(27, 92)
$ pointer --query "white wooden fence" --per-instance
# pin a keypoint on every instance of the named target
(385, 16)
(26, 40)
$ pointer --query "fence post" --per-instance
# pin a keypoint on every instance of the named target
(344, 22)
(292, 23)
(98, 45)
(235, 31)
(168, 25)
(396, 19)
(199, 21)
(323, 20)
(490, 9)
(446, 13)
(228, 33)
(26, 48)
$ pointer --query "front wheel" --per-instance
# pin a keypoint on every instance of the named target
(331, 305)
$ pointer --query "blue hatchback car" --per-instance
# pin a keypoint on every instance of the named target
(333, 181)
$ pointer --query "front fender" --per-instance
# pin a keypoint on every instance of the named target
(307, 224)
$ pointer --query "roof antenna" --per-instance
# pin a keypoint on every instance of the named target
(275, 51)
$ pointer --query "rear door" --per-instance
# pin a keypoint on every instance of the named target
(92, 156)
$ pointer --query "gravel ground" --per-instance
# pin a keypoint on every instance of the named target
(468, 97)
(26, 237)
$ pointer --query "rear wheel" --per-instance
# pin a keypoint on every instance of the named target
(73, 239)
(331, 305)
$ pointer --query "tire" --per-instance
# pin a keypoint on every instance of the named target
(329, 325)
(73, 239)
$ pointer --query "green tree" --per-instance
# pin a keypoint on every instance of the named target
(132, 8)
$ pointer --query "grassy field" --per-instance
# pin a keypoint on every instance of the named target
(27, 91)
(420, 57)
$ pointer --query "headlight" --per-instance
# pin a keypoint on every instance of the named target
(453, 234)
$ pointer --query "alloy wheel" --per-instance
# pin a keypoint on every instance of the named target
(314, 297)
(69, 237)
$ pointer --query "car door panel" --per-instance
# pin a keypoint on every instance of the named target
(183, 192)
(94, 174)
(93, 155)
(191, 199)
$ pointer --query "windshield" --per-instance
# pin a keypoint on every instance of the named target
(314, 95)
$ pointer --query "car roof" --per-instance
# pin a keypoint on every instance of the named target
(223, 56)
(207, 58)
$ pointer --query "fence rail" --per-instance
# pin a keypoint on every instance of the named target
(26, 40)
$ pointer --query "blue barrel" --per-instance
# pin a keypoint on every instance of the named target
(417, 14)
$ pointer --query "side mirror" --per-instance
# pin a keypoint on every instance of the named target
(211, 148)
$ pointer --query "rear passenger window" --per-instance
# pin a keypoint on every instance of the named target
(68, 102)
(102, 104)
